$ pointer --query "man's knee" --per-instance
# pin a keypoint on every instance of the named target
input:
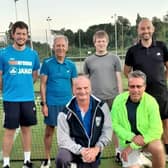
(64, 157)
(156, 147)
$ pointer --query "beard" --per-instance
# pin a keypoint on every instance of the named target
(146, 37)
(20, 44)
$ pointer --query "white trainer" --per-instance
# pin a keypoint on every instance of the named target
(166, 157)
(144, 161)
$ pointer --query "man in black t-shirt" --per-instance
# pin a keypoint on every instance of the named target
(151, 57)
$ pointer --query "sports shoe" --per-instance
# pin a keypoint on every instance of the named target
(144, 161)
(28, 164)
(166, 157)
(45, 163)
(118, 158)
(7, 166)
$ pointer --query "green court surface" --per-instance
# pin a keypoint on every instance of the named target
(37, 142)
(107, 159)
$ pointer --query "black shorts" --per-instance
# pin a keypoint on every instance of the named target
(19, 114)
(163, 105)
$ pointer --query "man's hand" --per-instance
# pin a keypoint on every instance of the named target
(125, 153)
(138, 140)
(45, 110)
(89, 154)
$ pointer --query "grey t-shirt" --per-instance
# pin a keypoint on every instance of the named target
(102, 72)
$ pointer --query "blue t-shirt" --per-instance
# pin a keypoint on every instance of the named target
(17, 68)
(59, 80)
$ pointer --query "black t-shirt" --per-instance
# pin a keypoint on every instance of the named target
(151, 61)
(131, 110)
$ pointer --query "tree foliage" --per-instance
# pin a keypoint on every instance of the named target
(82, 40)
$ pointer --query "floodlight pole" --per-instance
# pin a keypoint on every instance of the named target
(16, 10)
(49, 20)
(31, 42)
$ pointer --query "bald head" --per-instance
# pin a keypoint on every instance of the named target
(82, 88)
(145, 21)
(145, 29)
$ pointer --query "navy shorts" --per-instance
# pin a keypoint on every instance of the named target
(19, 114)
(53, 111)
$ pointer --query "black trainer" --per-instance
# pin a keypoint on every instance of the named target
(7, 166)
(118, 158)
(28, 164)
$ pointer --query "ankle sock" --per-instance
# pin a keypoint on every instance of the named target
(26, 156)
(6, 161)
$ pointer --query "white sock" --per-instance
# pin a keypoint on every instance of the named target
(27, 156)
(6, 161)
(117, 150)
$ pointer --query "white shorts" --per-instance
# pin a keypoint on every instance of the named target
(133, 158)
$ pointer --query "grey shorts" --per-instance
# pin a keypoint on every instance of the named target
(133, 158)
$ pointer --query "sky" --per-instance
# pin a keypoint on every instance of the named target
(75, 14)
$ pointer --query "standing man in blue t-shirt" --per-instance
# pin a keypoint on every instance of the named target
(18, 71)
(57, 74)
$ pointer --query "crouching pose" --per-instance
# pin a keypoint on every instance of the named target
(136, 121)
(84, 128)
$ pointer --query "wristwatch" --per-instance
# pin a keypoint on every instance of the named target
(42, 103)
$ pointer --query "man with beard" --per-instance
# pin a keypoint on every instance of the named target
(18, 71)
(151, 57)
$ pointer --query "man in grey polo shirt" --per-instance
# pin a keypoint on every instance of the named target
(104, 71)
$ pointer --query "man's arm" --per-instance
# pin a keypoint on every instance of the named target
(63, 136)
(85, 68)
(119, 82)
(43, 80)
(0, 80)
(35, 76)
(166, 71)
(106, 134)
(127, 70)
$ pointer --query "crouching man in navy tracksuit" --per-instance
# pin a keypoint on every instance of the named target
(84, 128)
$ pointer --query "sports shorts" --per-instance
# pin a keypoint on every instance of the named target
(53, 111)
(133, 158)
(19, 114)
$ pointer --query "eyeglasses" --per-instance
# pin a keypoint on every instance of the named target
(135, 86)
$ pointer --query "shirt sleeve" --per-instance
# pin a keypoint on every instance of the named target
(36, 62)
(1, 61)
(129, 57)
(63, 135)
(85, 67)
(118, 64)
(44, 69)
(165, 53)
(74, 71)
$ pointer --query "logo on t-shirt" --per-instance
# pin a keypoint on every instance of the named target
(98, 121)
(158, 54)
(13, 70)
(20, 67)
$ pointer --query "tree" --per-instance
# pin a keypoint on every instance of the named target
(159, 29)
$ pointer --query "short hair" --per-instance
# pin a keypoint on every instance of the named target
(61, 36)
(137, 74)
(100, 34)
(19, 24)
